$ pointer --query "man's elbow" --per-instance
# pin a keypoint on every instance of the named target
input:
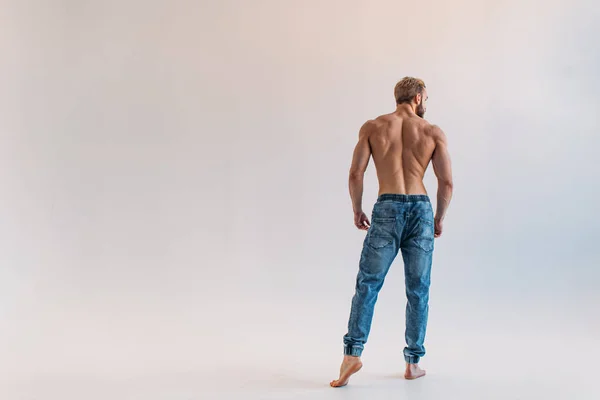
(356, 176)
(446, 184)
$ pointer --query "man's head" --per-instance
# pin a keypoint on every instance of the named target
(412, 91)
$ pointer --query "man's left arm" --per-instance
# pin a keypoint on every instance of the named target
(360, 161)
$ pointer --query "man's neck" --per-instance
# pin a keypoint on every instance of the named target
(405, 108)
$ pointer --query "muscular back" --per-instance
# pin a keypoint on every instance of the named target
(402, 144)
(402, 147)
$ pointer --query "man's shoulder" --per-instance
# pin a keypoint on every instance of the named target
(432, 129)
(377, 121)
(381, 121)
(371, 125)
(436, 133)
(366, 125)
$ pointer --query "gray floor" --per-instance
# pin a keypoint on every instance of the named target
(467, 369)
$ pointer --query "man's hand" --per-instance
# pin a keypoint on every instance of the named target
(439, 227)
(361, 221)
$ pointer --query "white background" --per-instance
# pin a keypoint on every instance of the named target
(174, 215)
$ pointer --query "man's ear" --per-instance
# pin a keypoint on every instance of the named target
(418, 98)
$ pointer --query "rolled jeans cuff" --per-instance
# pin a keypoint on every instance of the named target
(352, 351)
(412, 359)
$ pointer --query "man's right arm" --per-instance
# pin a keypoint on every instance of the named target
(442, 168)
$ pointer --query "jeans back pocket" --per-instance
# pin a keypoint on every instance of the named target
(381, 233)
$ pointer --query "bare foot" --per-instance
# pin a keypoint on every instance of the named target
(350, 366)
(413, 372)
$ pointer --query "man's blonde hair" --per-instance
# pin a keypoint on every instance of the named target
(407, 89)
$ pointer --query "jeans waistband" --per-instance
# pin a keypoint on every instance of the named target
(404, 198)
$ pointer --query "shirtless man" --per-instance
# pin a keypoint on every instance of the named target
(402, 145)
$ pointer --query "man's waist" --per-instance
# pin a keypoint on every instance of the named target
(403, 198)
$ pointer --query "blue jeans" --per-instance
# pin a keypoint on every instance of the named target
(398, 222)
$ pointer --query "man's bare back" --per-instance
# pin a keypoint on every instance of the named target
(401, 146)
